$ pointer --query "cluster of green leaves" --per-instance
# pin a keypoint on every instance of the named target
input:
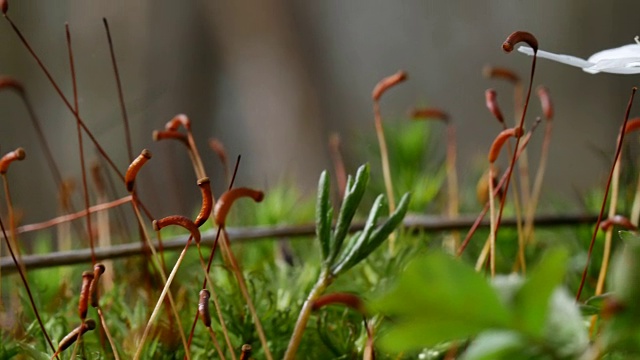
(440, 304)
(340, 253)
(439, 299)
(277, 288)
(437, 303)
(337, 258)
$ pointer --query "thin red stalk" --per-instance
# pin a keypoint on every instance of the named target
(492, 226)
(51, 163)
(496, 191)
(494, 108)
(123, 108)
(500, 73)
(26, 286)
(12, 221)
(166, 281)
(221, 209)
(491, 100)
(106, 331)
(61, 219)
(161, 251)
(369, 349)
(508, 46)
(606, 193)
(68, 105)
(213, 252)
(121, 219)
(165, 292)
(63, 97)
(235, 266)
(11, 83)
(453, 240)
(85, 190)
(217, 147)
(537, 186)
(381, 87)
(451, 168)
(129, 181)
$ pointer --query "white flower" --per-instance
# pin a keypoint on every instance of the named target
(622, 60)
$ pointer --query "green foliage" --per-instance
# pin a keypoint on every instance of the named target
(324, 215)
(352, 197)
(622, 331)
(439, 299)
(438, 306)
(431, 304)
(415, 158)
(338, 257)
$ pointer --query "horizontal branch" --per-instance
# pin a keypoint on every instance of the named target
(414, 223)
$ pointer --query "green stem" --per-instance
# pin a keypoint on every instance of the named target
(324, 281)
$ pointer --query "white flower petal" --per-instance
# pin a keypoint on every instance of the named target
(627, 51)
(629, 65)
(561, 58)
(622, 60)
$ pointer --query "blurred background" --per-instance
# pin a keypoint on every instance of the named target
(272, 79)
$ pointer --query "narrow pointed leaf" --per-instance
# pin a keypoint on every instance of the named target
(362, 238)
(352, 198)
(380, 234)
(323, 215)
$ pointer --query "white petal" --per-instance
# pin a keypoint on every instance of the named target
(627, 51)
(565, 59)
(629, 65)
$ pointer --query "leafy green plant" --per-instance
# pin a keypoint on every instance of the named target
(439, 300)
(440, 307)
(338, 257)
(621, 329)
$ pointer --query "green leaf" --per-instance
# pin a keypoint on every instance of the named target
(384, 230)
(324, 214)
(588, 310)
(625, 274)
(438, 298)
(629, 237)
(352, 198)
(532, 300)
(32, 352)
(376, 237)
(494, 345)
(594, 304)
(357, 241)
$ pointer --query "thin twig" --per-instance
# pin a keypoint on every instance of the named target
(414, 222)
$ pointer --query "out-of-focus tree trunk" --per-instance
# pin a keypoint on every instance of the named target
(278, 120)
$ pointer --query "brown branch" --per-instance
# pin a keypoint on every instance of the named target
(413, 222)
(65, 218)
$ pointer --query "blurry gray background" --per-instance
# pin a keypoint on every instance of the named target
(273, 78)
